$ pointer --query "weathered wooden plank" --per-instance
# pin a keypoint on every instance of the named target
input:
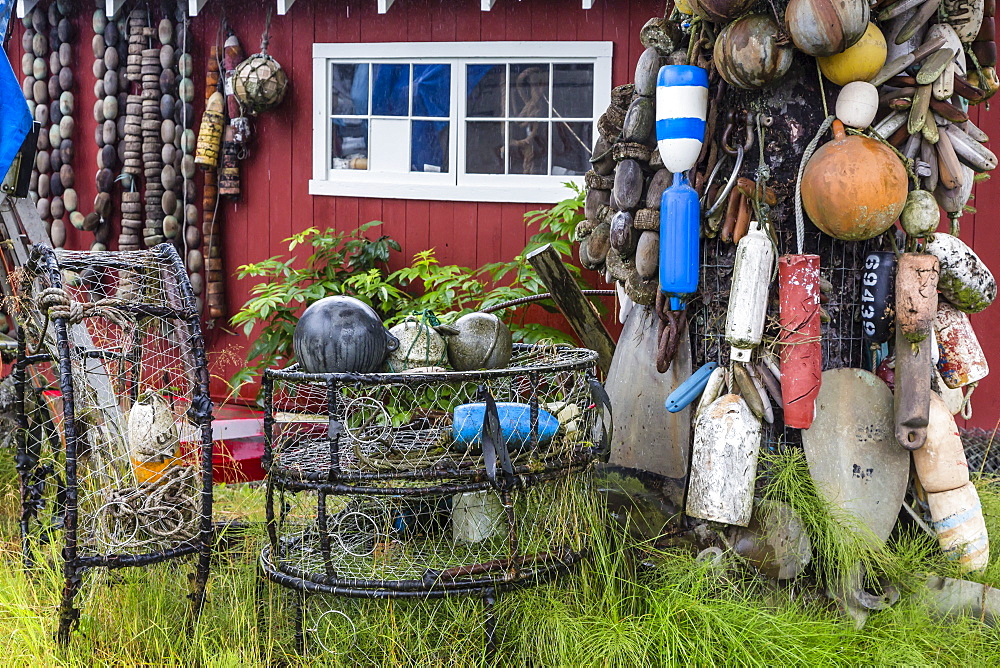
(580, 313)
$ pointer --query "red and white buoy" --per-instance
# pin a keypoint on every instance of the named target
(801, 354)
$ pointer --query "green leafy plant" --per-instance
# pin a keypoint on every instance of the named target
(348, 263)
(277, 302)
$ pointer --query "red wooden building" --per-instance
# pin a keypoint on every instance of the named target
(407, 89)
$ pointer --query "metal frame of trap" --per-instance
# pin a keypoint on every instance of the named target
(486, 580)
(34, 477)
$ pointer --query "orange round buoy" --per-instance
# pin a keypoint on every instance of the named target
(854, 187)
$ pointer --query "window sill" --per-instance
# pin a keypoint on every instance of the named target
(550, 192)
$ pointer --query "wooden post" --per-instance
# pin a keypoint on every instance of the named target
(580, 313)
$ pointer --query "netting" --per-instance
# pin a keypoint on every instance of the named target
(981, 450)
(401, 425)
(431, 484)
(112, 398)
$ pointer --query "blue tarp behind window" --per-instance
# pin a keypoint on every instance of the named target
(431, 97)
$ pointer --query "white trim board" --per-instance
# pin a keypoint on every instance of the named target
(384, 177)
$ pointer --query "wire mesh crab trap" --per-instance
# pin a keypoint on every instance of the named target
(430, 485)
(114, 448)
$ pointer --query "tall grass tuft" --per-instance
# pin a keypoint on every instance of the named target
(629, 605)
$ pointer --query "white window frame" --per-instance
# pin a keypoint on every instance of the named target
(455, 185)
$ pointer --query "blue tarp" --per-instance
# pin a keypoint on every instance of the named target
(431, 97)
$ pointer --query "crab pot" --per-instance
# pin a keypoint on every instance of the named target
(961, 360)
(801, 352)
(957, 517)
(430, 485)
(115, 438)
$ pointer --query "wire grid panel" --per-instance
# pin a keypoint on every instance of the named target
(134, 377)
(842, 342)
(445, 541)
(404, 425)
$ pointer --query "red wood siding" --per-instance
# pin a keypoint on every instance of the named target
(276, 203)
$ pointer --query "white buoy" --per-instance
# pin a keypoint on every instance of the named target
(681, 110)
(748, 296)
(961, 529)
(724, 462)
(941, 464)
(857, 104)
(475, 516)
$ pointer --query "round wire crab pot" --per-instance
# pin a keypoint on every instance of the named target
(114, 446)
(431, 484)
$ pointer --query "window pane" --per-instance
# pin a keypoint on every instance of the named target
(349, 82)
(429, 146)
(484, 147)
(350, 143)
(390, 90)
(573, 91)
(432, 90)
(529, 147)
(570, 148)
(486, 86)
(529, 90)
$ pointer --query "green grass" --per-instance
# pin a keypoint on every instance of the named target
(619, 610)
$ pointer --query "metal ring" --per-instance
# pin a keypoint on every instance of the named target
(315, 629)
(729, 186)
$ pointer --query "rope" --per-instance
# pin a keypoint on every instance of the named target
(162, 509)
(800, 223)
(966, 410)
(545, 295)
(57, 303)
(265, 37)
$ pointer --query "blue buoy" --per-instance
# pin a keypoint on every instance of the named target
(515, 425)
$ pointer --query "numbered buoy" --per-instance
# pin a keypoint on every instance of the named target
(878, 287)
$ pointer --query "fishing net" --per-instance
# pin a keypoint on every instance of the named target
(428, 485)
(981, 450)
(112, 397)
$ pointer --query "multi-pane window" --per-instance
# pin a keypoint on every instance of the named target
(490, 121)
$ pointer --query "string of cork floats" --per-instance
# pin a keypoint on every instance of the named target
(48, 88)
(131, 145)
(110, 99)
(229, 174)
(209, 259)
(184, 141)
(152, 144)
(170, 177)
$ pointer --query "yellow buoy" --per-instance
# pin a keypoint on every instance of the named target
(858, 63)
(683, 6)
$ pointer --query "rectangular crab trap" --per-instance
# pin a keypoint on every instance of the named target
(431, 484)
(115, 420)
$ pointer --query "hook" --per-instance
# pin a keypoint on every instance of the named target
(733, 117)
(729, 184)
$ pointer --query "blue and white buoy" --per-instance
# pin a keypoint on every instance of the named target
(681, 108)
